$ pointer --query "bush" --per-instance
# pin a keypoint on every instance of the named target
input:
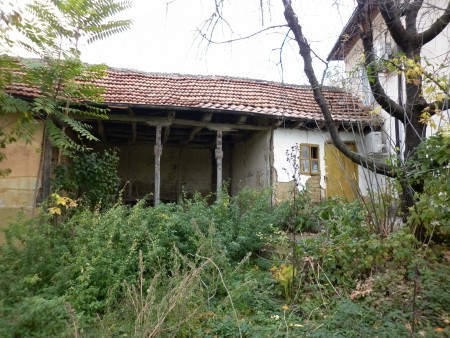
(187, 270)
(90, 176)
(430, 166)
(85, 259)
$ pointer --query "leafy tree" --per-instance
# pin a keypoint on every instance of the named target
(53, 31)
(16, 121)
(402, 21)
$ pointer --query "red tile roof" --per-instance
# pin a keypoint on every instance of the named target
(129, 87)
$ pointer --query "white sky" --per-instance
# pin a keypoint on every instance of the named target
(163, 38)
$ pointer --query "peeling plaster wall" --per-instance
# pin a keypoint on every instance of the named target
(285, 139)
(188, 168)
(18, 189)
(251, 163)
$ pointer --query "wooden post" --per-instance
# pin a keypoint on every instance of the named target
(219, 157)
(158, 152)
(46, 167)
(180, 172)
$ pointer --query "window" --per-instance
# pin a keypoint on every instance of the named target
(309, 159)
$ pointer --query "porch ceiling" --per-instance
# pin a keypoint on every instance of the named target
(192, 128)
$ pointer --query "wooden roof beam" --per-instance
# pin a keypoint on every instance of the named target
(299, 124)
(164, 121)
(242, 119)
(205, 118)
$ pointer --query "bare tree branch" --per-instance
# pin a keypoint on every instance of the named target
(389, 105)
(391, 16)
(238, 39)
(437, 27)
(305, 52)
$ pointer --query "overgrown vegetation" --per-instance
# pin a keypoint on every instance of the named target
(224, 270)
(89, 177)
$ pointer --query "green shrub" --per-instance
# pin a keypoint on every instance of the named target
(195, 269)
(90, 176)
(36, 317)
(85, 259)
(430, 166)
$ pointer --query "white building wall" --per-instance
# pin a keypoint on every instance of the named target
(436, 52)
(250, 163)
(285, 141)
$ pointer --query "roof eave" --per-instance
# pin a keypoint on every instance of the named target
(338, 52)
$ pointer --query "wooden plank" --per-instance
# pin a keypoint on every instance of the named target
(278, 123)
(300, 124)
(46, 167)
(170, 116)
(101, 130)
(180, 171)
(133, 132)
(133, 127)
(242, 119)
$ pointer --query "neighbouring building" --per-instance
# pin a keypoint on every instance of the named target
(349, 49)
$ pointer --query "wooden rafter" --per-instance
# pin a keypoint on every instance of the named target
(242, 119)
(205, 118)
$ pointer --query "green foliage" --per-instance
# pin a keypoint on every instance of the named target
(197, 270)
(16, 121)
(52, 31)
(349, 251)
(86, 259)
(431, 166)
(90, 176)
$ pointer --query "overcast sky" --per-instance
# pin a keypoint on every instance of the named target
(164, 38)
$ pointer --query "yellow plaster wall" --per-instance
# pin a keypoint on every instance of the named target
(17, 190)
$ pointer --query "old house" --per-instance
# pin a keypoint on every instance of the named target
(188, 132)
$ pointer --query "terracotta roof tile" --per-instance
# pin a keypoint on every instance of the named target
(131, 87)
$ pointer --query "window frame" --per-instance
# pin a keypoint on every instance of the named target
(310, 159)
